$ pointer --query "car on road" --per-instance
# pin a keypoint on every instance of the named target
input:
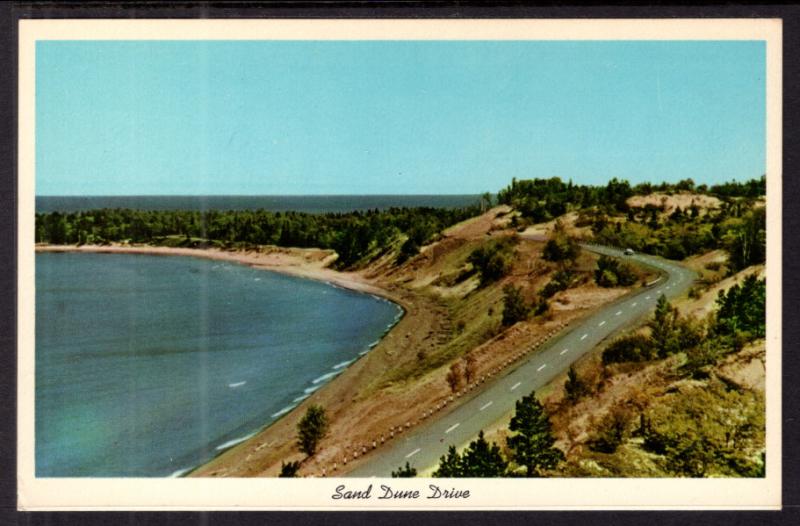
(628, 252)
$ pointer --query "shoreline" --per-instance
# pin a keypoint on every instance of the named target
(293, 262)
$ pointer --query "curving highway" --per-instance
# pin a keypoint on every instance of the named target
(424, 445)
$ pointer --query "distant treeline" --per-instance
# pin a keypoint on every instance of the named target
(544, 199)
(355, 236)
(738, 226)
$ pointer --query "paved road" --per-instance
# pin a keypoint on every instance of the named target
(424, 445)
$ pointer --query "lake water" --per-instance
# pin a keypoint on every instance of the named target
(275, 203)
(147, 366)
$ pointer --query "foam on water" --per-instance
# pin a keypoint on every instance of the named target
(283, 411)
(325, 377)
(343, 364)
(231, 443)
(178, 473)
(309, 390)
(237, 384)
(301, 398)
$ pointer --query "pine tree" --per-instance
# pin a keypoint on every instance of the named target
(449, 465)
(533, 442)
(405, 472)
(662, 328)
(289, 469)
(482, 459)
(311, 429)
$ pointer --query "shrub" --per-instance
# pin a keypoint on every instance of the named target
(707, 431)
(575, 387)
(634, 348)
(561, 247)
(561, 280)
(611, 272)
(493, 259)
(514, 306)
(454, 377)
(470, 367)
(612, 430)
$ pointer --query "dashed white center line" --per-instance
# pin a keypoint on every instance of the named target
(452, 427)
(618, 313)
(487, 404)
(647, 297)
(601, 323)
(515, 385)
(542, 367)
(564, 351)
(413, 452)
(584, 336)
(633, 304)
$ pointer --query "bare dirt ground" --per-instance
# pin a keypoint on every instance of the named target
(670, 202)
(542, 231)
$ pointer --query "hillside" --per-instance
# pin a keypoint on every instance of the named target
(452, 312)
(716, 415)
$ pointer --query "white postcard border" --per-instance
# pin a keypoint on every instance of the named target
(315, 493)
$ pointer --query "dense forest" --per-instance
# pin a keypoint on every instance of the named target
(354, 236)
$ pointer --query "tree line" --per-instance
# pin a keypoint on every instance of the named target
(354, 236)
(544, 199)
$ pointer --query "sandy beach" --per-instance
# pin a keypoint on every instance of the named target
(304, 263)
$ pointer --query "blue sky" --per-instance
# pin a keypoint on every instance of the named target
(116, 118)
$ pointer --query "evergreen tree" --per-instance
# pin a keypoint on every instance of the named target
(662, 328)
(533, 441)
(743, 308)
(311, 429)
(482, 459)
(289, 469)
(405, 472)
(449, 465)
(747, 244)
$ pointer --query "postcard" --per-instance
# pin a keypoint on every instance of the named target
(399, 264)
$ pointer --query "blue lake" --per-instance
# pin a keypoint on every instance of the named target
(148, 366)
